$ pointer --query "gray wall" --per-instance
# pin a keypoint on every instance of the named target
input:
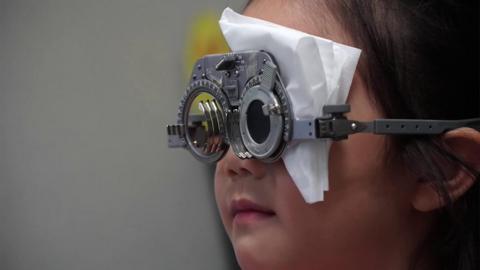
(86, 179)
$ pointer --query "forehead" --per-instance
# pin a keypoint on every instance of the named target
(312, 17)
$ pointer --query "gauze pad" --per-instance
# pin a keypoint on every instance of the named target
(315, 71)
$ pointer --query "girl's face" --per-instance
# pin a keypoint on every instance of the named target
(366, 218)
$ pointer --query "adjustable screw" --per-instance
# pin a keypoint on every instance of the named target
(354, 126)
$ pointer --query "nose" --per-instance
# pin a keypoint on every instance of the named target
(233, 166)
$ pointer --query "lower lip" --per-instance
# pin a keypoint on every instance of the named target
(250, 217)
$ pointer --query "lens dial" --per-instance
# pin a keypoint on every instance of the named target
(202, 112)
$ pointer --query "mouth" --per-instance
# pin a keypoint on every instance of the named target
(245, 212)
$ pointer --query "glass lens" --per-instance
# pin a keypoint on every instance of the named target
(205, 124)
(258, 123)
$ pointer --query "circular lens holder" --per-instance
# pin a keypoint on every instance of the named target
(202, 112)
(267, 90)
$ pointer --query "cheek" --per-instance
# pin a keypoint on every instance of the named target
(359, 206)
(318, 233)
(299, 238)
(220, 195)
(357, 162)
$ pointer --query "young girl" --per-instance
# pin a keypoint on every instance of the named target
(395, 202)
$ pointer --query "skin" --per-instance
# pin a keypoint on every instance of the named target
(372, 217)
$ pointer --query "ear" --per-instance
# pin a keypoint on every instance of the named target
(465, 144)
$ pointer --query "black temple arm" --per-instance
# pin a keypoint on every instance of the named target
(336, 126)
(419, 127)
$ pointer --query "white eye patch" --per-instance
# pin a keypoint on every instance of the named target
(315, 71)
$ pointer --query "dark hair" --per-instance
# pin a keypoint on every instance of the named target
(420, 60)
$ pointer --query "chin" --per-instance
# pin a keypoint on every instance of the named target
(250, 260)
(254, 255)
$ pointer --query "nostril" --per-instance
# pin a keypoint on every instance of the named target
(238, 172)
(231, 172)
(244, 171)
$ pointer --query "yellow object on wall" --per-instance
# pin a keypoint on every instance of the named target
(204, 37)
